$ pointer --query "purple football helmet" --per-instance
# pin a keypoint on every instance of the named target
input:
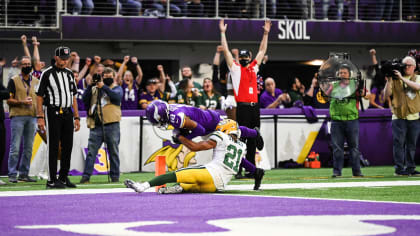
(157, 112)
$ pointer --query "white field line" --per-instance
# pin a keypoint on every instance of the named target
(244, 187)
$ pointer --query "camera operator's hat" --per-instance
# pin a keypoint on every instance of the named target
(244, 53)
(62, 52)
(152, 81)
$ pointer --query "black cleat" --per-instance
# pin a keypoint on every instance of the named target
(259, 139)
(258, 175)
(55, 184)
(67, 182)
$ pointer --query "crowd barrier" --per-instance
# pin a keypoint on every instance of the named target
(286, 132)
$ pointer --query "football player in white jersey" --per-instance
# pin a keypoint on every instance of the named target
(228, 152)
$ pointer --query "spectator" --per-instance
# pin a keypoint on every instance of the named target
(187, 94)
(409, 8)
(405, 119)
(273, 97)
(344, 125)
(377, 94)
(103, 121)
(220, 71)
(384, 9)
(61, 116)
(162, 88)
(82, 82)
(37, 64)
(195, 9)
(22, 105)
(326, 7)
(296, 93)
(14, 69)
(74, 62)
(130, 7)
(161, 5)
(150, 94)
(186, 73)
(314, 96)
(229, 8)
(129, 86)
(209, 99)
(244, 81)
(77, 7)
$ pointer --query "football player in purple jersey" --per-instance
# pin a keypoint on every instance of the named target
(192, 122)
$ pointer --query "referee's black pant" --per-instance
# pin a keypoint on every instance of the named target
(248, 115)
(60, 129)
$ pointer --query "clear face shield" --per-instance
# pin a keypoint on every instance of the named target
(338, 77)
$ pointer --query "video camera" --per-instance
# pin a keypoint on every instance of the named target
(388, 67)
(96, 78)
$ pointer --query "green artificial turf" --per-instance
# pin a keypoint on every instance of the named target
(281, 176)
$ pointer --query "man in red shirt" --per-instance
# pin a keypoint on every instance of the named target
(244, 81)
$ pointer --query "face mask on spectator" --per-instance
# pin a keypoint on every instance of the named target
(243, 62)
(108, 81)
(26, 70)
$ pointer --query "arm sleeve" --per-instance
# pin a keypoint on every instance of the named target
(263, 101)
(217, 137)
(197, 131)
(42, 86)
(4, 93)
(114, 94)
(11, 88)
(173, 89)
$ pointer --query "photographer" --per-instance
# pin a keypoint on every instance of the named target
(103, 98)
(405, 119)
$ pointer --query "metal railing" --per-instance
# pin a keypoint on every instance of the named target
(46, 13)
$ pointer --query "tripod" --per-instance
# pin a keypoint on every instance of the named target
(101, 117)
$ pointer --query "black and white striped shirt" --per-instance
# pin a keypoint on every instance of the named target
(57, 87)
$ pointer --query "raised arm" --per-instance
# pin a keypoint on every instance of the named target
(372, 53)
(121, 69)
(36, 48)
(76, 61)
(228, 55)
(85, 68)
(171, 86)
(139, 77)
(310, 91)
(235, 53)
(25, 46)
(200, 146)
(216, 59)
(263, 45)
(162, 78)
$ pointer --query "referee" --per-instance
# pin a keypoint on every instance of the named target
(56, 95)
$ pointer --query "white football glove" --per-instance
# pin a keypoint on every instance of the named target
(229, 102)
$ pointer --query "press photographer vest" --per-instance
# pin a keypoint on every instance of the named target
(111, 112)
(402, 104)
(23, 91)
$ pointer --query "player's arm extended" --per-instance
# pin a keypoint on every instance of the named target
(196, 128)
(195, 147)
